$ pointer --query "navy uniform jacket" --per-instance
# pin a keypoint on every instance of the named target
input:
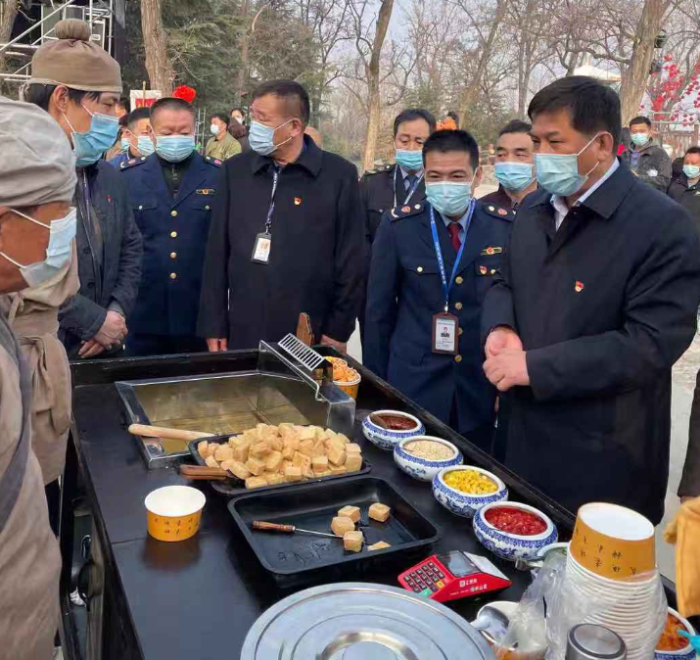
(604, 307)
(405, 292)
(378, 195)
(174, 234)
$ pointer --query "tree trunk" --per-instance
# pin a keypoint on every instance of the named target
(8, 12)
(635, 76)
(158, 63)
(245, 54)
(373, 71)
(472, 89)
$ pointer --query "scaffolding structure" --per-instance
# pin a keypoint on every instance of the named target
(105, 18)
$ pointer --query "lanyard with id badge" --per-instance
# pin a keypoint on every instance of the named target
(263, 242)
(446, 325)
(410, 192)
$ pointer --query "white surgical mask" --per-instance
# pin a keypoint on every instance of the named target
(215, 129)
(62, 232)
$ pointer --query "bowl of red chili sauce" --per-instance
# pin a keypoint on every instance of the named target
(397, 426)
(513, 530)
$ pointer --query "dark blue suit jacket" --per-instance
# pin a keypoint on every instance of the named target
(174, 234)
(405, 292)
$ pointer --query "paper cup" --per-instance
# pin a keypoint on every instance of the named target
(351, 388)
(612, 541)
(174, 512)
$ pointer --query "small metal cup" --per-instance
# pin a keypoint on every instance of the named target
(590, 642)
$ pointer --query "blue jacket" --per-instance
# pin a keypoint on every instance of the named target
(405, 292)
(120, 160)
(174, 234)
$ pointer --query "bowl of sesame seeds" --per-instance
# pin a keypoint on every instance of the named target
(424, 456)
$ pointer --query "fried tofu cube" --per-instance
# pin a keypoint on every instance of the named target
(223, 453)
(353, 462)
(238, 468)
(255, 482)
(274, 479)
(325, 473)
(352, 541)
(260, 449)
(242, 452)
(308, 433)
(353, 448)
(337, 456)
(319, 463)
(277, 444)
(380, 545)
(211, 462)
(306, 447)
(233, 441)
(301, 461)
(337, 469)
(379, 512)
(352, 512)
(319, 450)
(203, 449)
(285, 465)
(292, 474)
(343, 438)
(341, 525)
(251, 435)
(256, 466)
(273, 461)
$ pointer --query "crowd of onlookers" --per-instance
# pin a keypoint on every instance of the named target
(553, 308)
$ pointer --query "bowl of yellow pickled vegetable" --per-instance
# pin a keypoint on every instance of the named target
(465, 489)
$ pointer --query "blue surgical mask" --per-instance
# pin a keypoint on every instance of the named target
(514, 176)
(58, 252)
(126, 143)
(174, 148)
(449, 198)
(100, 137)
(640, 139)
(261, 138)
(558, 173)
(410, 160)
(691, 171)
(145, 145)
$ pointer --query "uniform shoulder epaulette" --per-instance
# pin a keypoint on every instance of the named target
(499, 212)
(378, 170)
(213, 161)
(133, 162)
(400, 212)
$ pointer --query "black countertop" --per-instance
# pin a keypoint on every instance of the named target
(198, 598)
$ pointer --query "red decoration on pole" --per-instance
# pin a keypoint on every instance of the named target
(185, 93)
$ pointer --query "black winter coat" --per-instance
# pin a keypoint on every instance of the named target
(316, 258)
(604, 307)
(82, 317)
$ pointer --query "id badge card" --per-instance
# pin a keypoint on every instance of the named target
(445, 334)
(261, 249)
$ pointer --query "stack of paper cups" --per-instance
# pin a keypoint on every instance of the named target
(611, 573)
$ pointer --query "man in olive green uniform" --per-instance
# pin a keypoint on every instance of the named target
(223, 145)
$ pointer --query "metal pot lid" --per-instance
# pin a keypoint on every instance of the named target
(358, 621)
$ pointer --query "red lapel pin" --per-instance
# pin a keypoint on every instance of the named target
(578, 286)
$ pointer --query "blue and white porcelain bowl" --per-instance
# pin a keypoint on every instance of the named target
(424, 469)
(512, 546)
(386, 438)
(466, 504)
(687, 653)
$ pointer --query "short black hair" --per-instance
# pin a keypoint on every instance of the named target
(693, 150)
(446, 141)
(516, 126)
(592, 106)
(171, 103)
(222, 116)
(40, 94)
(411, 114)
(136, 116)
(295, 97)
(237, 109)
(640, 120)
(453, 115)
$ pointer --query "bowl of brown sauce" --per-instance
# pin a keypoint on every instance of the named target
(386, 428)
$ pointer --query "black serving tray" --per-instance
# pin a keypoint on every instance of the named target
(236, 487)
(302, 557)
